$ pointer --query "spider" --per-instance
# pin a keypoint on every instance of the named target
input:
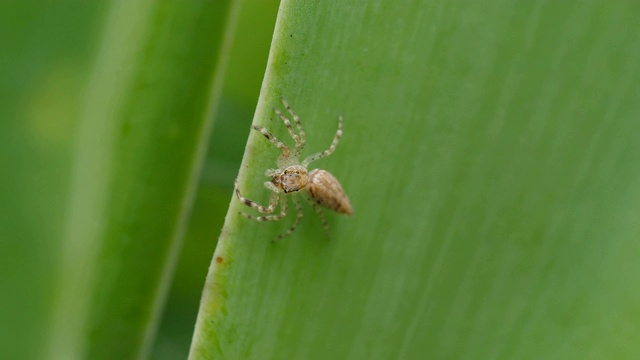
(292, 176)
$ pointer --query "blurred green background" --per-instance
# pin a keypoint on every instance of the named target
(244, 73)
(47, 52)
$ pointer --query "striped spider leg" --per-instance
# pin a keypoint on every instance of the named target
(292, 176)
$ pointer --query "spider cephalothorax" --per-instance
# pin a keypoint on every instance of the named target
(291, 176)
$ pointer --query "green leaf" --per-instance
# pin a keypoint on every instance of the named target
(490, 152)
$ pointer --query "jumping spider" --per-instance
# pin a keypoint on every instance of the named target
(292, 176)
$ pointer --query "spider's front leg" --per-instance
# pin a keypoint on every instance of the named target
(273, 201)
(287, 124)
(283, 213)
(279, 144)
(271, 173)
(299, 139)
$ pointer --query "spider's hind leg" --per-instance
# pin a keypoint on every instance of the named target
(331, 148)
(323, 219)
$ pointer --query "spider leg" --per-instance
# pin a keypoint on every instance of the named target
(323, 219)
(287, 124)
(273, 201)
(331, 148)
(296, 203)
(279, 144)
(299, 147)
(283, 213)
(269, 185)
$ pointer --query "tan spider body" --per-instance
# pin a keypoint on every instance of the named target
(291, 176)
(325, 190)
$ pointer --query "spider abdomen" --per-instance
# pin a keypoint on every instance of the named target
(325, 190)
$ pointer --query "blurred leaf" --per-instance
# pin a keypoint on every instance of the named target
(248, 49)
(46, 50)
(490, 154)
(142, 135)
